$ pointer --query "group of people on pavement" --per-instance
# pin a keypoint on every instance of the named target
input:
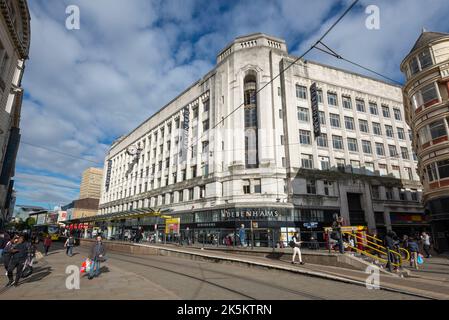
(411, 243)
(17, 253)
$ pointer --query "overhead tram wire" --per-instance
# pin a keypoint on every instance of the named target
(59, 152)
(283, 70)
(334, 54)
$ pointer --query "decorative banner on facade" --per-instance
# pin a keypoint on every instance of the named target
(108, 175)
(315, 111)
(185, 138)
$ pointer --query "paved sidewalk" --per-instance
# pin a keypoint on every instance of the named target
(48, 281)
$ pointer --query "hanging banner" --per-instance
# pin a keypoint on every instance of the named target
(315, 111)
(108, 175)
(185, 138)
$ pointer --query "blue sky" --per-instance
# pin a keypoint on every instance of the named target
(84, 88)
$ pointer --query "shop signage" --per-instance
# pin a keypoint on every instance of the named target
(311, 225)
(249, 214)
(315, 111)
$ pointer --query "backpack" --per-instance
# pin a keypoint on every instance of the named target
(71, 242)
(292, 244)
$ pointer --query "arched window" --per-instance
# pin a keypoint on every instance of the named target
(251, 127)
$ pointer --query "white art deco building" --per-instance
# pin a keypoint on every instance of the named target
(219, 155)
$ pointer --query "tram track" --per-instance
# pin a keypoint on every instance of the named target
(269, 285)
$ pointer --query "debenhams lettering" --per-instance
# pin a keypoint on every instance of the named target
(248, 214)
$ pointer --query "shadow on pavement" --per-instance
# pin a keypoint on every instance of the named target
(38, 274)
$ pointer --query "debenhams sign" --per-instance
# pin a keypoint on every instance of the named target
(249, 214)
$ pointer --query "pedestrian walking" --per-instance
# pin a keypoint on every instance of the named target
(296, 245)
(4, 239)
(19, 253)
(242, 236)
(47, 244)
(336, 234)
(97, 255)
(69, 244)
(426, 244)
(390, 244)
(414, 251)
(7, 252)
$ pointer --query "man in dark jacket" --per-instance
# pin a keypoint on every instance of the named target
(97, 254)
(390, 244)
(19, 253)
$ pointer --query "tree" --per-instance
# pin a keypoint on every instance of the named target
(30, 222)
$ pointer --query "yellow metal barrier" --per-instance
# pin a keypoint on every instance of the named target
(374, 246)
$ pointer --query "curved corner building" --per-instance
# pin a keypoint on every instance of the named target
(242, 145)
(426, 103)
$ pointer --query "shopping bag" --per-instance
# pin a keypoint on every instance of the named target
(420, 259)
(39, 255)
(85, 267)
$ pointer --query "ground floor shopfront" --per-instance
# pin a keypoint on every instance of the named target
(259, 227)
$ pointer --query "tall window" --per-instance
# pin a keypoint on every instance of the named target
(425, 59)
(366, 146)
(325, 163)
(373, 109)
(347, 103)
(301, 92)
(386, 111)
(311, 186)
(322, 140)
(389, 131)
(349, 123)
(363, 125)
(393, 151)
(332, 99)
(405, 154)
(341, 164)
(428, 95)
(303, 114)
(306, 161)
(322, 118)
(401, 133)
(320, 96)
(360, 104)
(409, 173)
(377, 129)
(304, 137)
(437, 129)
(337, 142)
(257, 186)
(380, 150)
(251, 128)
(334, 120)
(355, 166)
(352, 145)
(397, 114)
